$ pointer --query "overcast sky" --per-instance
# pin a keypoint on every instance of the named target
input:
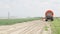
(28, 8)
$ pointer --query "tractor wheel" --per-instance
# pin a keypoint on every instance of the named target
(51, 19)
(46, 20)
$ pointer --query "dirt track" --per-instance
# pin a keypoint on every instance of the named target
(33, 27)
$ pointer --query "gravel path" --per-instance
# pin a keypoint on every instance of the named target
(33, 27)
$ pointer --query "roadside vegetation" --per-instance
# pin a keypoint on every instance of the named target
(46, 28)
(55, 25)
(14, 21)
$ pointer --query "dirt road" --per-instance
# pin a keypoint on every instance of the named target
(33, 27)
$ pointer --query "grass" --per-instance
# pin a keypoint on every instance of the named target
(55, 25)
(14, 21)
(46, 28)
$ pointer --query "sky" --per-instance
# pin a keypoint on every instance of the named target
(28, 8)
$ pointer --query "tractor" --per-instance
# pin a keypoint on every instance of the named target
(49, 15)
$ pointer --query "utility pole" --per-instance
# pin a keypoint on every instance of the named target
(8, 15)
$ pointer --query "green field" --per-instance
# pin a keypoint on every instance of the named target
(55, 25)
(14, 21)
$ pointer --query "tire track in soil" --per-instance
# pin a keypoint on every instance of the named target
(23, 29)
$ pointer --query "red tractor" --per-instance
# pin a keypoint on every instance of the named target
(49, 15)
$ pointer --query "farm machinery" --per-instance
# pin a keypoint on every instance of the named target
(49, 15)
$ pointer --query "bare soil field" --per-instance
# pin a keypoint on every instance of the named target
(32, 27)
